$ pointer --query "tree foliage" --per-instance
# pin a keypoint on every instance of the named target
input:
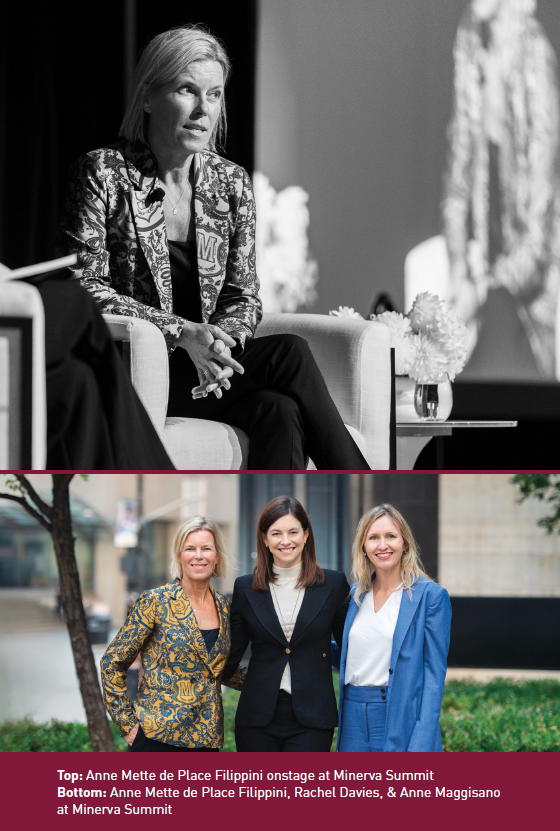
(56, 518)
(546, 488)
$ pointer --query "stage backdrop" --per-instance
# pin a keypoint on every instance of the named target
(353, 104)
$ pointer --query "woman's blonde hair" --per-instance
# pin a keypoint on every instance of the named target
(167, 56)
(362, 569)
(197, 523)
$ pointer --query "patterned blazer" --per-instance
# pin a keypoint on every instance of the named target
(179, 699)
(116, 227)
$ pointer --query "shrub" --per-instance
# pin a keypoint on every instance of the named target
(52, 737)
(501, 715)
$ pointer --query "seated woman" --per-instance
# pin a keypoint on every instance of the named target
(164, 229)
(287, 609)
(394, 650)
(182, 630)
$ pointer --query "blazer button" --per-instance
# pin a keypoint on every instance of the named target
(288, 651)
(390, 672)
(324, 654)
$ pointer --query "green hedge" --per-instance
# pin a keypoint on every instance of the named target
(52, 737)
(501, 715)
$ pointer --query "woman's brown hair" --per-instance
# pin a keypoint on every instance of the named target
(311, 574)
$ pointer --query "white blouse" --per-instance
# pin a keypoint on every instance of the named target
(287, 603)
(370, 642)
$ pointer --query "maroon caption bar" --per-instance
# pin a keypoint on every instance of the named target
(72, 790)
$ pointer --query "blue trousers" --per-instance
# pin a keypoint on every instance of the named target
(363, 720)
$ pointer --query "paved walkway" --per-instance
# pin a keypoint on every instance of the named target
(37, 677)
(489, 674)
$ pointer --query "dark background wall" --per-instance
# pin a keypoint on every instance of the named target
(62, 92)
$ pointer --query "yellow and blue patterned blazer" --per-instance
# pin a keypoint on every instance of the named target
(179, 700)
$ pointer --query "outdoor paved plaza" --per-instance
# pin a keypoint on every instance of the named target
(38, 678)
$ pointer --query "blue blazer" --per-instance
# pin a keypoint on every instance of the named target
(417, 670)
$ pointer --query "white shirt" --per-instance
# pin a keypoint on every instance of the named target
(370, 642)
(287, 602)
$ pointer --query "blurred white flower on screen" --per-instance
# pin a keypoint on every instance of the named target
(286, 271)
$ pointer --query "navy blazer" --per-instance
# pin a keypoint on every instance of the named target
(417, 670)
(254, 619)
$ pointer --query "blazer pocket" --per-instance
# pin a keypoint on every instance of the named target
(138, 740)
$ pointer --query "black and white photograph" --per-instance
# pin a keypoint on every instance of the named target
(279, 235)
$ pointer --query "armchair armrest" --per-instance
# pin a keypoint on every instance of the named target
(354, 357)
(148, 362)
(23, 407)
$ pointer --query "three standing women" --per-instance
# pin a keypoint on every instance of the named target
(396, 637)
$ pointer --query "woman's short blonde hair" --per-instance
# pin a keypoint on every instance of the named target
(362, 569)
(197, 523)
(166, 57)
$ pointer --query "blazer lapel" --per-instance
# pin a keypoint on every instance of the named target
(407, 611)
(149, 219)
(222, 646)
(314, 599)
(185, 616)
(211, 208)
(263, 607)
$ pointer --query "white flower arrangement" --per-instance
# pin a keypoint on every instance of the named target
(346, 311)
(429, 341)
(287, 273)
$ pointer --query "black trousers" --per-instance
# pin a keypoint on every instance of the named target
(281, 402)
(284, 733)
(95, 420)
(143, 744)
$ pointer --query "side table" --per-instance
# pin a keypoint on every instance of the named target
(413, 436)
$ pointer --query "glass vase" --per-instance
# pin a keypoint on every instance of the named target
(404, 398)
(433, 400)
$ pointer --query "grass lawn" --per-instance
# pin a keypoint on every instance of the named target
(501, 715)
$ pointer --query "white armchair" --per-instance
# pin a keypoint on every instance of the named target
(353, 355)
(23, 420)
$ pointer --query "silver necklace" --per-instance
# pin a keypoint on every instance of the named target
(286, 627)
(174, 207)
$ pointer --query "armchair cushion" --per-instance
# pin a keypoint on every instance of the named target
(355, 359)
(353, 355)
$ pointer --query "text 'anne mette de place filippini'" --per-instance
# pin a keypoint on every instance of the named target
(128, 792)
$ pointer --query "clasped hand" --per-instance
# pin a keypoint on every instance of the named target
(209, 348)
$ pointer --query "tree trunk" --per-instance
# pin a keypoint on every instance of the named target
(71, 592)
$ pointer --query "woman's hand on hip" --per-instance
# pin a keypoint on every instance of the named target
(209, 348)
(131, 735)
